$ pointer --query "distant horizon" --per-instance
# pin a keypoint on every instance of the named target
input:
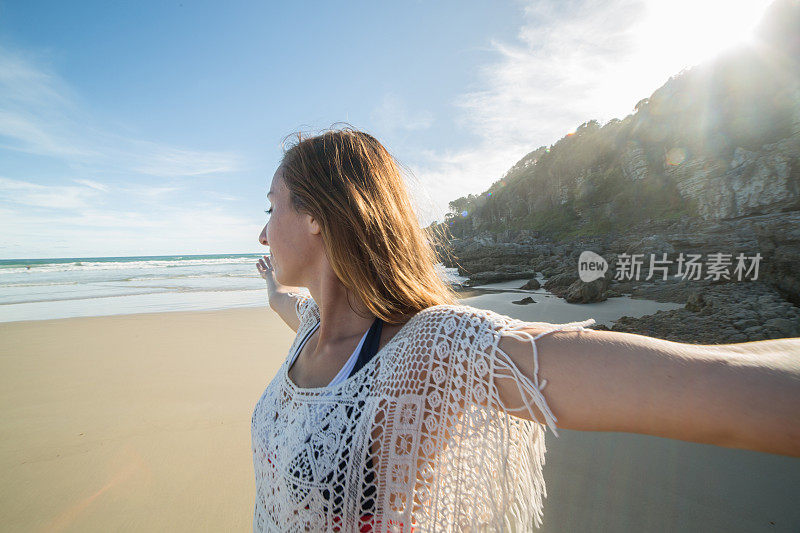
(123, 256)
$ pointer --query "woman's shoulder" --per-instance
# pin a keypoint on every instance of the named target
(462, 312)
(486, 319)
(450, 319)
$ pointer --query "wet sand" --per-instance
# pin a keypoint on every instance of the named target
(142, 423)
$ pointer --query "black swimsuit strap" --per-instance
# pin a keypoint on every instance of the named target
(370, 347)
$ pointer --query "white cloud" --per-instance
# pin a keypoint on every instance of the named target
(543, 85)
(130, 219)
(173, 162)
(571, 62)
(557, 74)
(93, 184)
(26, 132)
(48, 196)
(393, 114)
(193, 228)
(446, 176)
(87, 215)
(150, 192)
(39, 115)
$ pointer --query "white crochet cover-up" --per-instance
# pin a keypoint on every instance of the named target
(417, 440)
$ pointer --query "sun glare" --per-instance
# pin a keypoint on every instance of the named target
(682, 33)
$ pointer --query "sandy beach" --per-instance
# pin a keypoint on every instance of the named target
(142, 423)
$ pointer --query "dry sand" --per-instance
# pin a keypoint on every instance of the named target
(133, 423)
(142, 423)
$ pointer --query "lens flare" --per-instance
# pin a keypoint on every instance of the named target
(675, 157)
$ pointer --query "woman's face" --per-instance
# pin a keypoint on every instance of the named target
(293, 237)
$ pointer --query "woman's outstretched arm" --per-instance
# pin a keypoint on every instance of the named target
(735, 395)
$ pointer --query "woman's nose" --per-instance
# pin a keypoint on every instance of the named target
(263, 237)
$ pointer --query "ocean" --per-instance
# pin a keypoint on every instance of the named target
(39, 289)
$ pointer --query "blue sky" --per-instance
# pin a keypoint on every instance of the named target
(155, 127)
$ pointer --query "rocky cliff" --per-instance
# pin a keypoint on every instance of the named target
(709, 163)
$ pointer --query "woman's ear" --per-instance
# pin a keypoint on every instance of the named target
(313, 225)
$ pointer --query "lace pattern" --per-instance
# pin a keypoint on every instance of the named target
(418, 439)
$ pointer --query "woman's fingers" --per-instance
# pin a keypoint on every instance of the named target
(264, 267)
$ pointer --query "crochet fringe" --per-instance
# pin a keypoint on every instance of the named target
(417, 440)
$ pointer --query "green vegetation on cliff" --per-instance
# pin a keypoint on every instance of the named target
(665, 160)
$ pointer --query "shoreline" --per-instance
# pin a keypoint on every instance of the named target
(462, 292)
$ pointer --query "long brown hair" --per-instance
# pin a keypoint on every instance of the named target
(353, 187)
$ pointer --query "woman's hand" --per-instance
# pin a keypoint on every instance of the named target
(281, 298)
(264, 267)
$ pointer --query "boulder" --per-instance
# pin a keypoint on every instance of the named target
(581, 292)
(696, 302)
(561, 281)
(532, 285)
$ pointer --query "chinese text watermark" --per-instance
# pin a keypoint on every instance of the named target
(716, 266)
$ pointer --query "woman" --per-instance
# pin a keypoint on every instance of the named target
(398, 409)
